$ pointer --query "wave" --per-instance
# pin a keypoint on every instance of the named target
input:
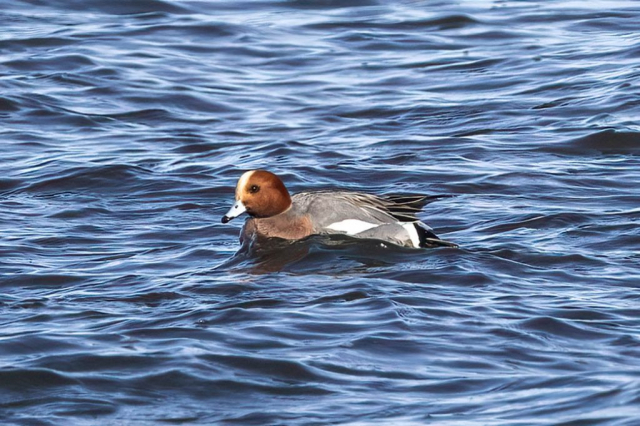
(609, 141)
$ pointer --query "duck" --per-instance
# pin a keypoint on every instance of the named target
(274, 213)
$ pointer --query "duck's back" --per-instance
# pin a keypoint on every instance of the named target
(329, 208)
(391, 218)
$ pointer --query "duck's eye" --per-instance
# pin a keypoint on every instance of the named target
(254, 189)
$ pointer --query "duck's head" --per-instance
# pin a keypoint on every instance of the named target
(259, 193)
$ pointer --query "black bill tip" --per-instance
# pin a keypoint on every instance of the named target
(225, 219)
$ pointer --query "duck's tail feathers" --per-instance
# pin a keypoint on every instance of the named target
(428, 239)
(416, 201)
(404, 207)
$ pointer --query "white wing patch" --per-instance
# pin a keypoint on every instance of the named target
(413, 233)
(352, 226)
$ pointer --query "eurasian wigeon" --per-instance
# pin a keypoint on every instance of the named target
(274, 213)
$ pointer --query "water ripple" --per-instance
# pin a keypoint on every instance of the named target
(126, 124)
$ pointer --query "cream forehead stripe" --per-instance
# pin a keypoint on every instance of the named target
(242, 182)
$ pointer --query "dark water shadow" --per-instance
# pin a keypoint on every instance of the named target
(325, 254)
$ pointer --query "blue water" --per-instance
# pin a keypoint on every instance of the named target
(125, 125)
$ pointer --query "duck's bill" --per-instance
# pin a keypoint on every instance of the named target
(236, 210)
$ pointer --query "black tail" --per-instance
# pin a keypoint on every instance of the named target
(429, 240)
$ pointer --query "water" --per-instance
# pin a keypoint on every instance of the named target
(125, 125)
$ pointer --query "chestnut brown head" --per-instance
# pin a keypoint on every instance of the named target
(261, 194)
